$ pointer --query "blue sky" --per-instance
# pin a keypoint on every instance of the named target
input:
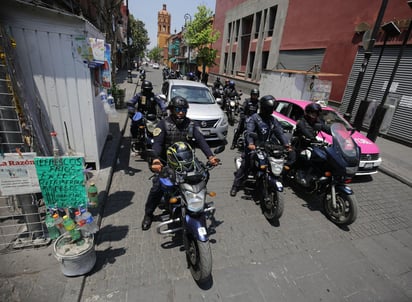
(146, 11)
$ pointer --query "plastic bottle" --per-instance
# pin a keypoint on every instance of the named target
(81, 223)
(54, 232)
(93, 196)
(91, 225)
(58, 221)
(110, 101)
(70, 227)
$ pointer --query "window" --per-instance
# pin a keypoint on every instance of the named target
(272, 19)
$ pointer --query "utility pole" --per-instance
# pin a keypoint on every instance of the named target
(129, 69)
(377, 119)
(367, 55)
(390, 30)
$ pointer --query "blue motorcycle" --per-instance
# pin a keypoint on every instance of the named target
(184, 198)
(325, 169)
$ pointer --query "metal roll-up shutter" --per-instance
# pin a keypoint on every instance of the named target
(300, 59)
(400, 127)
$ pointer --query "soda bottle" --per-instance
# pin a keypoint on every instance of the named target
(93, 196)
(51, 227)
(58, 221)
(81, 223)
(91, 225)
(70, 227)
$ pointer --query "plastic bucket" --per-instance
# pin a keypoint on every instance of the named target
(75, 260)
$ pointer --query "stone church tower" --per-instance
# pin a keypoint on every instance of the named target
(163, 27)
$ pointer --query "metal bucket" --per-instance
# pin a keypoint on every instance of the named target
(75, 260)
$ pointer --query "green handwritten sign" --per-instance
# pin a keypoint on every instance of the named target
(62, 181)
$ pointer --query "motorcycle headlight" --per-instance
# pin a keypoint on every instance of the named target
(195, 201)
(232, 103)
(276, 165)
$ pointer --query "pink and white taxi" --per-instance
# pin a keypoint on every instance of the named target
(290, 110)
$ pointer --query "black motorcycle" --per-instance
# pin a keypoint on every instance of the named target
(142, 75)
(325, 169)
(144, 140)
(184, 197)
(264, 179)
(232, 106)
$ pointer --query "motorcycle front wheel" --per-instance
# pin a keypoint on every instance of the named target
(230, 117)
(199, 256)
(346, 210)
(271, 202)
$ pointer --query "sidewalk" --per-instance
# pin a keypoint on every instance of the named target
(35, 275)
(396, 160)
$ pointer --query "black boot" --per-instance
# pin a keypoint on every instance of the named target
(233, 191)
(147, 222)
(233, 146)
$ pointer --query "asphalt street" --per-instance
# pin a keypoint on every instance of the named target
(304, 258)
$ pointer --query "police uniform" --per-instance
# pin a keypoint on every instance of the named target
(166, 134)
(146, 104)
(262, 127)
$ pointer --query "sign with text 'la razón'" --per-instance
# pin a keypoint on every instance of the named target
(18, 174)
(62, 181)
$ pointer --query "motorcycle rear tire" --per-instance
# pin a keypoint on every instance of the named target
(199, 256)
(346, 210)
(271, 202)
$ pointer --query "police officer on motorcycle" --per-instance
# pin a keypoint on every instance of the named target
(262, 124)
(309, 126)
(249, 107)
(145, 102)
(176, 127)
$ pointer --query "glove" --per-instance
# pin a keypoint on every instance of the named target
(251, 147)
(214, 161)
(156, 166)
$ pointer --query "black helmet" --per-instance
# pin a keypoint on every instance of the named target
(178, 101)
(313, 107)
(267, 104)
(182, 104)
(180, 157)
(254, 92)
(147, 86)
(231, 84)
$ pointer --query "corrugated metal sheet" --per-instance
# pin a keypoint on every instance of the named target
(300, 59)
(55, 72)
(401, 124)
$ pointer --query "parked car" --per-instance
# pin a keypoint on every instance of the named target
(203, 108)
(290, 110)
(155, 66)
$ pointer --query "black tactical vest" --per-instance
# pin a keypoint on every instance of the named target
(174, 133)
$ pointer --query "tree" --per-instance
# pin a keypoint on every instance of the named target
(200, 35)
(139, 37)
(155, 54)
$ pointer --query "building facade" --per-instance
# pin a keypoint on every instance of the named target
(325, 35)
(163, 27)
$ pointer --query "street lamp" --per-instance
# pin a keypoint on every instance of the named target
(187, 17)
(390, 30)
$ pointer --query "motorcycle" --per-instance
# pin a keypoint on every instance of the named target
(185, 198)
(232, 107)
(325, 169)
(264, 179)
(142, 75)
(144, 140)
(218, 94)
